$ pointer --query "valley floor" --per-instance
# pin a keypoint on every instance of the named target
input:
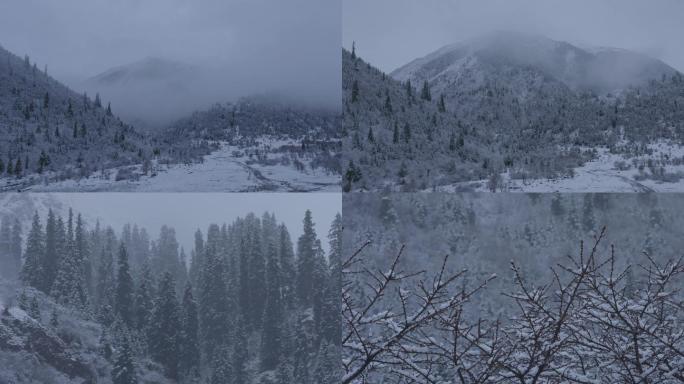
(225, 170)
(598, 175)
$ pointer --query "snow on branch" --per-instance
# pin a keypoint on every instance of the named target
(592, 323)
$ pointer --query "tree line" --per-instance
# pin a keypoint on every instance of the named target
(247, 306)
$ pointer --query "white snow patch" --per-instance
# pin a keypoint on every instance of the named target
(226, 170)
(598, 175)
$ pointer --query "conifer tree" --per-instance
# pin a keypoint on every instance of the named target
(105, 288)
(167, 257)
(301, 358)
(240, 353)
(123, 371)
(69, 287)
(331, 321)
(256, 279)
(164, 337)
(143, 299)
(190, 353)
(425, 92)
(288, 270)
(273, 313)
(441, 106)
(83, 254)
(197, 260)
(407, 132)
(50, 260)
(32, 270)
(214, 301)
(320, 281)
(395, 133)
(123, 300)
(306, 253)
(18, 168)
(355, 92)
(388, 104)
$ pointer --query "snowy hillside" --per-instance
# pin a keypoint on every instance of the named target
(45, 128)
(44, 342)
(503, 108)
(55, 140)
(601, 70)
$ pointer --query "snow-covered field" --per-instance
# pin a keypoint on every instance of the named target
(228, 169)
(598, 175)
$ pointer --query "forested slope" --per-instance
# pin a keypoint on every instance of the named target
(481, 116)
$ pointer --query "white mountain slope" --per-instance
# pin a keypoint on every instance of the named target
(601, 70)
(152, 69)
(228, 169)
(151, 92)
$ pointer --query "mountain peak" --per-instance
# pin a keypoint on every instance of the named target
(147, 69)
(600, 70)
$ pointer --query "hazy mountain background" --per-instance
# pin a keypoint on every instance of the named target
(182, 57)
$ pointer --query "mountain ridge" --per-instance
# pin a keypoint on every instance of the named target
(150, 68)
(601, 70)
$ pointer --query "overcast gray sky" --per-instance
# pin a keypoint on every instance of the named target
(390, 33)
(262, 44)
(186, 212)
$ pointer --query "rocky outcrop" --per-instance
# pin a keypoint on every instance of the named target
(20, 332)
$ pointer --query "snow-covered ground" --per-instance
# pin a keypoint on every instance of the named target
(598, 175)
(228, 169)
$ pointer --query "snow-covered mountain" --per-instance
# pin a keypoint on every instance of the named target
(152, 69)
(508, 107)
(52, 137)
(513, 54)
(153, 91)
(48, 129)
